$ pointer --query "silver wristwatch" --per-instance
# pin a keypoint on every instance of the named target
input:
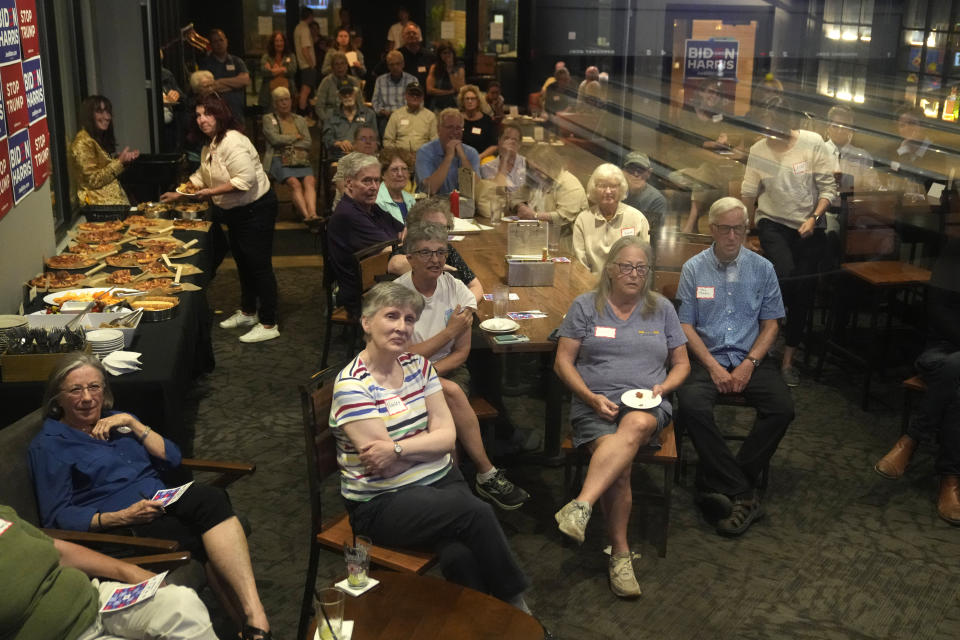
(397, 449)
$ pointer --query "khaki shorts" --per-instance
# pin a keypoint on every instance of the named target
(460, 375)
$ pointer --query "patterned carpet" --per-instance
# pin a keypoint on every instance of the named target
(841, 553)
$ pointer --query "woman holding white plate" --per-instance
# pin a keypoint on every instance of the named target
(621, 352)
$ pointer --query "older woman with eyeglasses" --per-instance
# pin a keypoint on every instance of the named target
(436, 210)
(394, 196)
(394, 436)
(96, 469)
(617, 339)
(607, 219)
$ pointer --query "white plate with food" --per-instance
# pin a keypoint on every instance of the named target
(640, 399)
(87, 295)
(499, 325)
(188, 189)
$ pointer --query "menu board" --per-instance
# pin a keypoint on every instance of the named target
(24, 134)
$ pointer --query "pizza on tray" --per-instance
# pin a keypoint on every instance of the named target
(95, 237)
(156, 267)
(160, 245)
(190, 224)
(70, 261)
(111, 225)
(86, 249)
(132, 258)
(57, 280)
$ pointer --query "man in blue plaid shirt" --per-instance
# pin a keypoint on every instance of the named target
(390, 89)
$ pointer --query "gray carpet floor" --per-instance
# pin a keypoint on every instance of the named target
(841, 553)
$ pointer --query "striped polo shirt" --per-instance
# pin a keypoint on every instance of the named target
(357, 396)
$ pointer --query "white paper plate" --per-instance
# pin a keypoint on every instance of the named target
(499, 325)
(105, 335)
(648, 401)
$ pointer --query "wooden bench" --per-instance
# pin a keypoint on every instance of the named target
(576, 459)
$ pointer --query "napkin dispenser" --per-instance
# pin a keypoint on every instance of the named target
(527, 242)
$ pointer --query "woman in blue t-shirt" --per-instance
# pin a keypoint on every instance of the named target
(615, 341)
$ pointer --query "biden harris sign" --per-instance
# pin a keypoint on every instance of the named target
(716, 59)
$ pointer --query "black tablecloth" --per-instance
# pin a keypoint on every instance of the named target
(174, 353)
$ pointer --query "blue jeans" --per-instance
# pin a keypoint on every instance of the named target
(938, 411)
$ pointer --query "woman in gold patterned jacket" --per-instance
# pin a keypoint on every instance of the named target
(93, 152)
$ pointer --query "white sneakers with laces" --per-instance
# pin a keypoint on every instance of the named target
(260, 333)
(239, 319)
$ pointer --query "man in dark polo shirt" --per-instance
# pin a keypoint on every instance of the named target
(357, 223)
(229, 72)
(416, 59)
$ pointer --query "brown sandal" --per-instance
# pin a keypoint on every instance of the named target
(253, 633)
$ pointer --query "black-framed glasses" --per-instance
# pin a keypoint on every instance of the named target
(635, 170)
(626, 268)
(425, 254)
(76, 391)
(725, 229)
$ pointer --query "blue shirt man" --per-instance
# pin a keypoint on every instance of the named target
(730, 303)
(439, 161)
(230, 73)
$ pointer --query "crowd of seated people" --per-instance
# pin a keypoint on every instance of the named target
(730, 305)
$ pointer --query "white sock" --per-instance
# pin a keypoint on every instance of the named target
(486, 475)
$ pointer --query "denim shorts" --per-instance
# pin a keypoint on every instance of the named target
(590, 427)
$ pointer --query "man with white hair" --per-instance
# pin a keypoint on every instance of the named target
(357, 223)
(416, 58)
(592, 75)
(730, 304)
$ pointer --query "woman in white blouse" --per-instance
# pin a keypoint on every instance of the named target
(231, 175)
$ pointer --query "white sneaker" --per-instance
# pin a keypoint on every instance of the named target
(239, 319)
(259, 333)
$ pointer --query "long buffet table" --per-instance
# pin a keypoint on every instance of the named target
(484, 251)
(174, 353)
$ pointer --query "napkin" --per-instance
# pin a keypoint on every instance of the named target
(344, 585)
(120, 362)
(346, 631)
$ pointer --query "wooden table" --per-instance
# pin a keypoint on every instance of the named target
(407, 605)
(484, 252)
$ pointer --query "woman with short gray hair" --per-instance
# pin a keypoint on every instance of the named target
(607, 219)
(287, 155)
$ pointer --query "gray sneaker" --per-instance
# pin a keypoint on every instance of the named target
(623, 582)
(791, 376)
(573, 518)
(502, 492)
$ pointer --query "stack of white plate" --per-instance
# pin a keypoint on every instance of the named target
(104, 341)
(8, 324)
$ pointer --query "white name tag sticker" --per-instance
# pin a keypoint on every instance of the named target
(231, 67)
(404, 122)
(394, 406)
(800, 168)
(475, 131)
(628, 231)
(4, 525)
(605, 332)
(705, 293)
(421, 69)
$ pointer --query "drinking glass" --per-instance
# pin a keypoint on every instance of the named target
(501, 297)
(358, 561)
(329, 613)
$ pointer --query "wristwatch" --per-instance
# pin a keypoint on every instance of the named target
(397, 449)
(755, 362)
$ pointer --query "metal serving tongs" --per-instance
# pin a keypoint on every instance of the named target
(128, 320)
(73, 324)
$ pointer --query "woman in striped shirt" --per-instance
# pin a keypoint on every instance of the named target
(394, 436)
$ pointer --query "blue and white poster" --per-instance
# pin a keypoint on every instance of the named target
(33, 86)
(9, 32)
(21, 164)
(715, 59)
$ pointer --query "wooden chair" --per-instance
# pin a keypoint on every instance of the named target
(576, 459)
(17, 491)
(372, 266)
(316, 397)
(666, 283)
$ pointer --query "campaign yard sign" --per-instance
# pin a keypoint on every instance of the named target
(21, 164)
(40, 150)
(27, 17)
(9, 32)
(6, 184)
(33, 85)
(716, 59)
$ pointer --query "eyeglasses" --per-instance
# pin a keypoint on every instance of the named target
(626, 268)
(725, 229)
(425, 254)
(608, 187)
(635, 171)
(95, 389)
